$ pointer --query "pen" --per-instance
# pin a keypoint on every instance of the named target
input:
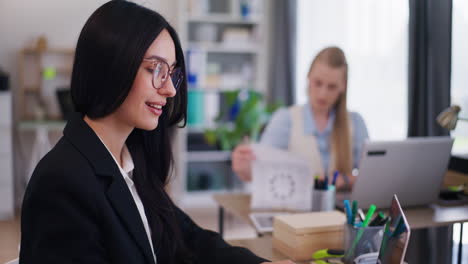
(325, 187)
(348, 210)
(400, 228)
(361, 215)
(354, 212)
(383, 221)
(335, 176)
(377, 219)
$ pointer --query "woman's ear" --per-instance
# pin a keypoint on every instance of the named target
(308, 86)
(343, 88)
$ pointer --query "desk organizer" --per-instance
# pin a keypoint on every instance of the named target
(369, 241)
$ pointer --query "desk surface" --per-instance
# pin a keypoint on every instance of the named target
(239, 205)
(261, 246)
(422, 217)
(455, 178)
(418, 217)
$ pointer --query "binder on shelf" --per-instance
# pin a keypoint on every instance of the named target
(196, 61)
(211, 109)
(195, 107)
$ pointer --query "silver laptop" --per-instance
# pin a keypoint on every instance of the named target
(413, 169)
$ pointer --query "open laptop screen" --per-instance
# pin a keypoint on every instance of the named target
(396, 236)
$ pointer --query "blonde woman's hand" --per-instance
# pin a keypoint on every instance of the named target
(342, 184)
(242, 157)
(280, 262)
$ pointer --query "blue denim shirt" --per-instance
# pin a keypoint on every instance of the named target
(278, 131)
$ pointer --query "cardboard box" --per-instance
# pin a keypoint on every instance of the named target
(298, 236)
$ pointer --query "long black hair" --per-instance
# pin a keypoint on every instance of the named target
(110, 49)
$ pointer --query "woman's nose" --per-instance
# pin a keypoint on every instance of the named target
(168, 89)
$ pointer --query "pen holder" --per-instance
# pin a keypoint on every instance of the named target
(323, 200)
(359, 241)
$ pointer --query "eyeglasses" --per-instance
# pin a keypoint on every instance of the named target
(161, 72)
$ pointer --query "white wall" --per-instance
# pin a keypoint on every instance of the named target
(374, 37)
(22, 21)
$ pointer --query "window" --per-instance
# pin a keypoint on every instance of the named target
(374, 37)
(459, 84)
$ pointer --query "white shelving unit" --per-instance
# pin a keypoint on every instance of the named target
(6, 157)
(247, 48)
(52, 125)
(208, 156)
(233, 40)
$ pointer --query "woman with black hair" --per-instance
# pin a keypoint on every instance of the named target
(98, 196)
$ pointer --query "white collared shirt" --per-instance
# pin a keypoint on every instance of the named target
(127, 173)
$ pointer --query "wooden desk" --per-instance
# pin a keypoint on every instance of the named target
(422, 217)
(261, 246)
(455, 178)
(419, 217)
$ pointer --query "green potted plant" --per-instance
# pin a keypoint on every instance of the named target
(246, 114)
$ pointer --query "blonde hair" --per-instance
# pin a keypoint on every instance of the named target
(341, 135)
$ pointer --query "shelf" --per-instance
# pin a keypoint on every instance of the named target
(51, 125)
(215, 90)
(202, 198)
(202, 127)
(196, 129)
(31, 89)
(208, 156)
(67, 51)
(250, 47)
(198, 199)
(59, 70)
(221, 19)
(243, 48)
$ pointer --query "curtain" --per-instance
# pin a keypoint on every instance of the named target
(281, 84)
(430, 48)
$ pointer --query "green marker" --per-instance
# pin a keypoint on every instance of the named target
(354, 212)
(316, 182)
(369, 214)
(455, 188)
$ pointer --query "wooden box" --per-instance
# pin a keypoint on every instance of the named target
(298, 236)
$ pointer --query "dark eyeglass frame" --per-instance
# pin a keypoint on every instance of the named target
(176, 73)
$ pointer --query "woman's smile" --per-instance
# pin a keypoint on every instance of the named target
(155, 107)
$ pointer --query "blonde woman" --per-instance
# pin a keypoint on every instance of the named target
(322, 130)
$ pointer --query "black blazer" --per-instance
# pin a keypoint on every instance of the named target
(78, 209)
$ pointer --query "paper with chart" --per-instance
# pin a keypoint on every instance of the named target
(280, 180)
